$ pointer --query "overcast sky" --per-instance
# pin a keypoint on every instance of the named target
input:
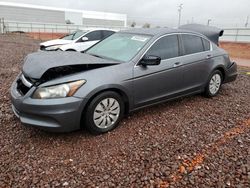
(163, 12)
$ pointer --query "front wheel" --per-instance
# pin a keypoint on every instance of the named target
(104, 112)
(214, 84)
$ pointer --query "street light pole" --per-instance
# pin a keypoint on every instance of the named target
(246, 24)
(208, 21)
(179, 10)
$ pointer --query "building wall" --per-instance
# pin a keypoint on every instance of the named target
(11, 13)
(74, 17)
(27, 13)
(102, 22)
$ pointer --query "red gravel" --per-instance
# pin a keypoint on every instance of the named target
(190, 142)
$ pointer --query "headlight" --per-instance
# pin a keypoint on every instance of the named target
(51, 48)
(58, 91)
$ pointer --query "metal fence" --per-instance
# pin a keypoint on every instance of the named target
(230, 34)
(11, 26)
(236, 35)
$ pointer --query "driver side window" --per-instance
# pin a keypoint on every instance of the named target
(94, 35)
(165, 48)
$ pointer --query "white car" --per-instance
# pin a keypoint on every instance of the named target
(76, 41)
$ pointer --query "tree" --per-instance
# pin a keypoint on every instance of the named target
(68, 22)
(133, 24)
(146, 25)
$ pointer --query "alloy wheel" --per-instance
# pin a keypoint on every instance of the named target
(106, 113)
(214, 84)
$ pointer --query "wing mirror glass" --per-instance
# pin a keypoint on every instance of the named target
(85, 39)
(150, 60)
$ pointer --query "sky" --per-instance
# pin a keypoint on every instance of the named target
(225, 13)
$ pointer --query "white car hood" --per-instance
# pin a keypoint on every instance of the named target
(56, 42)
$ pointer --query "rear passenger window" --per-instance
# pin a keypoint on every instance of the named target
(192, 44)
(165, 48)
(206, 44)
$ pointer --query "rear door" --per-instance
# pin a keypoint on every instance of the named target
(196, 52)
(154, 83)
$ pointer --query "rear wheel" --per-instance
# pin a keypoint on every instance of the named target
(104, 112)
(214, 84)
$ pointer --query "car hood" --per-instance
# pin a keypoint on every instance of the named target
(38, 63)
(56, 42)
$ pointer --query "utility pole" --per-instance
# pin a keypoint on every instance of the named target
(208, 21)
(179, 10)
(246, 24)
(0, 25)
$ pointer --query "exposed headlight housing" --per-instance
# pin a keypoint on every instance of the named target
(52, 48)
(58, 91)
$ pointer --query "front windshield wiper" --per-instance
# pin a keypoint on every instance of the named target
(96, 56)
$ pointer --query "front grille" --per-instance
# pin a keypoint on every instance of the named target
(23, 85)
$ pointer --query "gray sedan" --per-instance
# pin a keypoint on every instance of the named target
(64, 91)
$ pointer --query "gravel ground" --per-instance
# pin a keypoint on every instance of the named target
(190, 142)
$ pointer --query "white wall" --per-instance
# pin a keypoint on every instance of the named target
(75, 17)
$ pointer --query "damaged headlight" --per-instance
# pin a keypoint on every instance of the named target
(58, 91)
(53, 48)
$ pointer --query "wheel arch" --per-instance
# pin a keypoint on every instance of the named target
(222, 70)
(120, 91)
(70, 50)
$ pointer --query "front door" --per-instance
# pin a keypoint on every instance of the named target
(154, 83)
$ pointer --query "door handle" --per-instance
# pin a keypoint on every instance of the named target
(177, 64)
(208, 56)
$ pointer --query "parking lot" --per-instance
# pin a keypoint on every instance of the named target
(189, 142)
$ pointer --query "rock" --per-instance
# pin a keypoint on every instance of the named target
(65, 183)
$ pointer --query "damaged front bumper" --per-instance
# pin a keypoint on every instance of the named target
(56, 115)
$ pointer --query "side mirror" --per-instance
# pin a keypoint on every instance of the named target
(84, 39)
(150, 60)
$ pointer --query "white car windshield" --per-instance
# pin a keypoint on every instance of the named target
(119, 46)
(73, 36)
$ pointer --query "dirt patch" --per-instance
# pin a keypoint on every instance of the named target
(237, 50)
(45, 36)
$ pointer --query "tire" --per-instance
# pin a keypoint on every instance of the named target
(214, 84)
(98, 120)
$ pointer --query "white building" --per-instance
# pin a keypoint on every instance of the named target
(17, 12)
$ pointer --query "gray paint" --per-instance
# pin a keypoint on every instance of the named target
(143, 86)
(36, 64)
(10, 13)
(213, 33)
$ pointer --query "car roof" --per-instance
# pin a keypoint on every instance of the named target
(157, 31)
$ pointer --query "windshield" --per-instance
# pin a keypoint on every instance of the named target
(119, 46)
(73, 36)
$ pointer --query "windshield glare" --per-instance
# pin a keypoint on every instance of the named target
(73, 36)
(120, 46)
